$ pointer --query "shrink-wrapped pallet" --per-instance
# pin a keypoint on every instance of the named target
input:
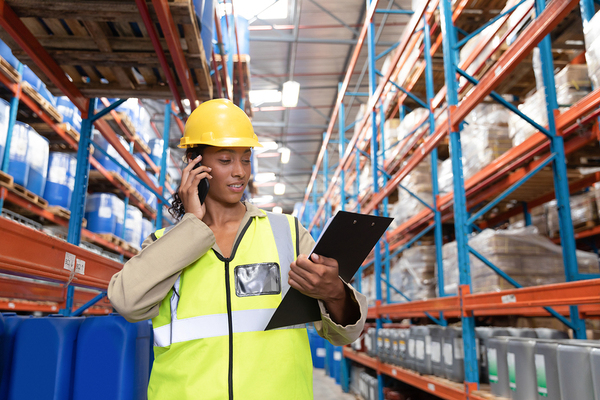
(572, 84)
(418, 181)
(539, 219)
(445, 177)
(413, 274)
(534, 107)
(584, 213)
(525, 255)
(592, 49)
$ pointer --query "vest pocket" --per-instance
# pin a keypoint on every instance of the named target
(257, 279)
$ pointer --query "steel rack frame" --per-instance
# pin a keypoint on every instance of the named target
(576, 299)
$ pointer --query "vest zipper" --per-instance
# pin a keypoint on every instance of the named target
(230, 325)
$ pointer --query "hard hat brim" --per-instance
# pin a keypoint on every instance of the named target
(221, 142)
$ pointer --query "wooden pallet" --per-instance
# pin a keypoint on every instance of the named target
(128, 124)
(98, 183)
(245, 60)
(41, 101)
(60, 211)
(104, 47)
(6, 180)
(29, 195)
(9, 71)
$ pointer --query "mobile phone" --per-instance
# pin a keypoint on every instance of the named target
(203, 186)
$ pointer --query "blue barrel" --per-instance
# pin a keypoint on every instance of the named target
(107, 163)
(6, 53)
(69, 112)
(243, 35)
(133, 226)
(18, 166)
(224, 37)
(147, 230)
(156, 150)
(58, 189)
(118, 209)
(205, 11)
(99, 214)
(31, 78)
(11, 323)
(337, 364)
(144, 128)
(4, 117)
(43, 358)
(37, 158)
(317, 349)
(148, 195)
(112, 359)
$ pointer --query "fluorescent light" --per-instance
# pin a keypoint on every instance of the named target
(258, 97)
(277, 210)
(290, 93)
(285, 155)
(270, 145)
(262, 199)
(279, 189)
(264, 177)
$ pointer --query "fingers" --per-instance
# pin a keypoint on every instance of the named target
(330, 262)
(191, 176)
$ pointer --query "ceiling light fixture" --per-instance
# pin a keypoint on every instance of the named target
(258, 97)
(279, 189)
(285, 155)
(290, 94)
(264, 177)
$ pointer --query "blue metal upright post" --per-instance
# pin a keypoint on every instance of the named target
(437, 217)
(559, 169)
(374, 167)
(460, 208)
(80, 190)
(526, 213)
(357, 180)
(163, 163)
(342, 150)
(326, 180)
(587, 12)
(12, 118)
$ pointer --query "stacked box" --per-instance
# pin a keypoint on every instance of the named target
(390, 131)
(445, 181)
(414, 274)
(539, 219)
(534, 107)
(592, 49)
(418, 181)
(527, 257)
(583, 212)
(572, 84)
(485, 138)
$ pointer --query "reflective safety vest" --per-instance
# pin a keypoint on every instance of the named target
(209, 336)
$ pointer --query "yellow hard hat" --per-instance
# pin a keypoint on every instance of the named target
(219, 123)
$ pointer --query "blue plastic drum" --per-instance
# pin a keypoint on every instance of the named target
(6, 53)
(37, 158)
(156, 149)
(147, 230)
(44, 348)
(106, 162)
(112, 359)
(148, 195)
(133, 226)
(4, 116)
(69, 112)
(58, 186)
(7, 345)
(19, 165)
(99, 214)
(118, 209)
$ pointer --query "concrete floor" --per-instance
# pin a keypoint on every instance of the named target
(325, 388)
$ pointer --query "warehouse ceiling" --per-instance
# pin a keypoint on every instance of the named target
(312, 46)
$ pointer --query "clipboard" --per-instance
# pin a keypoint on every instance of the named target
(348, 238)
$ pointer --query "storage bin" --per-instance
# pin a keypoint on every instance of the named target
(112, 359)
(454, 367)
(44, 349)
(497, 366)
(575, 370)
(422, 349)
(99, 214)
(437, 342)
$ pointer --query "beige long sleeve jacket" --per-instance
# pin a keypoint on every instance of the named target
(145, 280)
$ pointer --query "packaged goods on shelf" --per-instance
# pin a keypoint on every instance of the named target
(445, 177)
(368, 288)
(133, 226)
(597, 195)
(60, 180)
(4, 115)
(485, 138)
(38, 149)
(414, 274)
(584, 212)
(19, 165)
(410, 65)
(572, 84)
(418, 181)
(411, 126)
(69, 111)
(525, 255)
(534, 107)
(592, 49)
(359, 116)
(539, 219)
(390, 130)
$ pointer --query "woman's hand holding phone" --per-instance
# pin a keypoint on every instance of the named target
(188, 191)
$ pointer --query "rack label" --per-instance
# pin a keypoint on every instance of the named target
(448, 354)
(540, 370)
(509, 298)
(337, 355)
(321, 352)
(512, 373)
(69, 264)
(80, 267)
(431, 387)
(436, 352)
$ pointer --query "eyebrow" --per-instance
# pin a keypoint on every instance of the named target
(233, 151)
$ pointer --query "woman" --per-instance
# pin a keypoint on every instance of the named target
(212, 282)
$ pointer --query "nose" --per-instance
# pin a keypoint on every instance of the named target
(238, 170)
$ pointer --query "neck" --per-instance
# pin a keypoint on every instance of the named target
(220, 214)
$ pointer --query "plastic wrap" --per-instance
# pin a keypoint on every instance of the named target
(390, 129)
(414, 274)
(572, 84)
(418, 181)
(445, 177)
(485, 137)
(583, 212)
(535, 108)
(525, 255)
(539, 219)
(597, 195)
(592, 49)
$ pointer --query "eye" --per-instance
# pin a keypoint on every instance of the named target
(225, 161)
(246, 161)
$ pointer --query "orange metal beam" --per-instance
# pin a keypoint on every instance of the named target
(31, 253)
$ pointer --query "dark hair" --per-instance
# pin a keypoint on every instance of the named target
(177, 210)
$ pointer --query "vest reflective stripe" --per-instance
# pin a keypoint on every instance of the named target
(205, 326)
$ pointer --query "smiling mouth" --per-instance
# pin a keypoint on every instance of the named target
(237, 186)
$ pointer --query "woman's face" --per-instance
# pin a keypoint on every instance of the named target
(230, 172)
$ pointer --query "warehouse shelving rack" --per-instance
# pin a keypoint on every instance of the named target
(579, 297)
(33, 254)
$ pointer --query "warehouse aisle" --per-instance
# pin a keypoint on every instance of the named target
(325, 388)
